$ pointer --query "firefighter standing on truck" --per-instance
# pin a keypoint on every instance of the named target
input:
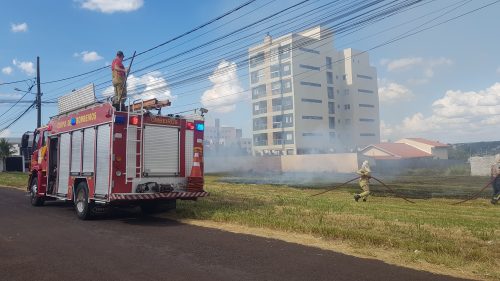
(364, 181)
(119, 77)
(495, 174)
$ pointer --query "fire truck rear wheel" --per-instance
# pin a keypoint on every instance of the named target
(35, 200)
(82, 206)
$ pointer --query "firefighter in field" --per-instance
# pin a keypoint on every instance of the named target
(495, 174)
(119, 77)
(364, 181)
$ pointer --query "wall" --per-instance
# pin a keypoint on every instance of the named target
(481, 166)
(337, 163)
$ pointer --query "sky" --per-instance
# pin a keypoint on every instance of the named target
(442, 83)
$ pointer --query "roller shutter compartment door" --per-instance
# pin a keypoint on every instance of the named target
(103, 159)
(64, 153)
(161, 151)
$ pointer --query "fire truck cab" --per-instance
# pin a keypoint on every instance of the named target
(96, 156)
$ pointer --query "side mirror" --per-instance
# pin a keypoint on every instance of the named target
(25, 140)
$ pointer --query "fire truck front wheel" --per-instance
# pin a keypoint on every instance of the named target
(82, 205)
(34, 198)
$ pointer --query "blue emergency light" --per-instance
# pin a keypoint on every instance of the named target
(119, 119)
(200, 127)
(73, 121)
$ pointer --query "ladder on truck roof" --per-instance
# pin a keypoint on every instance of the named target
(134, 140)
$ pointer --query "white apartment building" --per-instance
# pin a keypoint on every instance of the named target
(308, 97)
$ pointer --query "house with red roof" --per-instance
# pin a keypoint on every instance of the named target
(405, 149)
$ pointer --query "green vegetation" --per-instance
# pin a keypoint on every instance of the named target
(5, 150)
(462, 238)
(14, 179)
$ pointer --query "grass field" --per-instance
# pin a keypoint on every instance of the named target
(432, 235)
(14, 179)
(462, 240)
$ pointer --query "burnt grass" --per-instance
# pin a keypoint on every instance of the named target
(414, 187)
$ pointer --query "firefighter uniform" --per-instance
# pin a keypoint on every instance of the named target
(364, 181)
(119, 77)
(495, 174)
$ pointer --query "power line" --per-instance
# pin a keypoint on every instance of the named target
(159, 45)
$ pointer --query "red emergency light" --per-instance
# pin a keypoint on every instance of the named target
(134, 120)
(190, 125)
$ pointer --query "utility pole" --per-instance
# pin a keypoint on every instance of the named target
(38, 95)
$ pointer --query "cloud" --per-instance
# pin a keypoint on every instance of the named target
(404, 63)
(112, 6)
(88, 56)
(25, 66)
(458, 115)
(22, 27)
(5, 133)
(423, 69)
(226, 90)
(148, 86)
(390, 92)
(7, 70)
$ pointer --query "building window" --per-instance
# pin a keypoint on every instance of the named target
(331, 122)
(285, 70)
(366, 105)
(307, 117)
(309, 51)
(310, 84)
(259, 107)
(364, 76)
(312, 134)
(365, 91)
(344, 76)
(329, 63)
(260, 139)
(366, 120)
(285, 103)
(310, 67)
(256, 76)
(257, 59)
(332, 137)
(260, 123)
(284, 51)
(367, 135)
(276, 87)
(346, 92)
(347, 107)
(312, 100)
(259, 91)
(329, 78)
(330, 92)
(331, 107)
(274, 55)
(283, 121)
(279, 139)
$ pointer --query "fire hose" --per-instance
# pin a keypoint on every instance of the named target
(342, 184)
(391, 190)
(334, 187)
(475, 194)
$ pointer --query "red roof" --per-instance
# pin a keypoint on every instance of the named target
(397, 151)
(429, 142)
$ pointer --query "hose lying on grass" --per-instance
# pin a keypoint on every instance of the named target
(474, 196)
(334, 187)
(342, 184)
(391, 190)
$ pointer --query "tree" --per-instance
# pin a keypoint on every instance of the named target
(6, 150)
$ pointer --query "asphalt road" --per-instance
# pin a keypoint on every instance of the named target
(50, 243)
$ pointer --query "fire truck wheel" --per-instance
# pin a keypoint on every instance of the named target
(35, 200)
(82, 205)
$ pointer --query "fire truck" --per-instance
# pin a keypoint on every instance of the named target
(95, 156)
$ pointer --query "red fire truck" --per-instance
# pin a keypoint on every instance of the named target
(96, 156)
